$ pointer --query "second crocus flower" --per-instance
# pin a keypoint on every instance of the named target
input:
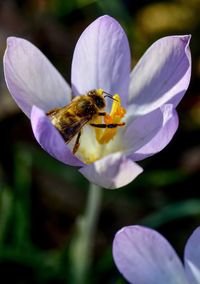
(144, 256)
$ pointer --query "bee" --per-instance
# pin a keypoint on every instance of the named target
(70, 119)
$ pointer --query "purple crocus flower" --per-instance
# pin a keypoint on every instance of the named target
(101, 60)
(144, 256)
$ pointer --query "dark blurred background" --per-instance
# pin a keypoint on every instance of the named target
(40, 198)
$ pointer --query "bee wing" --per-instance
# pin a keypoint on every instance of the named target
(69, 130)
(60, 111)
(66, 120)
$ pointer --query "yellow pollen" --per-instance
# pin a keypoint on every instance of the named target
(100, 91)
(117, 112)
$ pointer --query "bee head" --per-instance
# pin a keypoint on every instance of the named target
(97, 97)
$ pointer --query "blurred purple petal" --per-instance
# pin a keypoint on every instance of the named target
(192, 257)
(32, 79)
(162, 75)
(111, 172)
(102, 59)
(163, 137)
(50, 139)
(143, 256)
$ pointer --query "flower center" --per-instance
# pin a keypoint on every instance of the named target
(90, 132)
(112, 121)
(105, 138)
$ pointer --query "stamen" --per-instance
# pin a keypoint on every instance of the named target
(117, 112)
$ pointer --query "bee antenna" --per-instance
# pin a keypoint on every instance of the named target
(109, 96)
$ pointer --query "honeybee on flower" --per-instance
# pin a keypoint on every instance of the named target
(70, 119)
(145, 104)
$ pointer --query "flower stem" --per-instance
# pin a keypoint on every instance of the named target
(83, 243)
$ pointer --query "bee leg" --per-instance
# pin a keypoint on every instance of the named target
(102, 113)
(110, 125)
(77, 143)
(52, 112)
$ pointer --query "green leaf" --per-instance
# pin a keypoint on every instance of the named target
(172, 212)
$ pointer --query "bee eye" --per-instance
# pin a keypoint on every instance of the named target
(100, 103)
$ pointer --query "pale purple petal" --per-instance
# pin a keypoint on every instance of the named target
(142, 130)
(50, 139)
(102, 59)
(162, 138)
(32, 79)
(192, 257)
(162, 75)
(144, 256)
(111, 172)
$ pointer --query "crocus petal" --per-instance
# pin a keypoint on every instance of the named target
(32, 79)
(142, 130)
(143, 256)
(162, 138)
(162, 75)
(192, 257)
(102, 59)
(111, 172)
(50, 139)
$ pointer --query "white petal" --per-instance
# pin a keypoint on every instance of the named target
(111, 172)
(32, 79)
(144, 256)
(50, 139)
(162, 137)
(102, 59)
(162, 75)
(192, 257)
(142, 130)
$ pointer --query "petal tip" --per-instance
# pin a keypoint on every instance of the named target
(187, 38)
(11, 40)
(186, 41)
(125, 229)
(184, 38)
(106, 19)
